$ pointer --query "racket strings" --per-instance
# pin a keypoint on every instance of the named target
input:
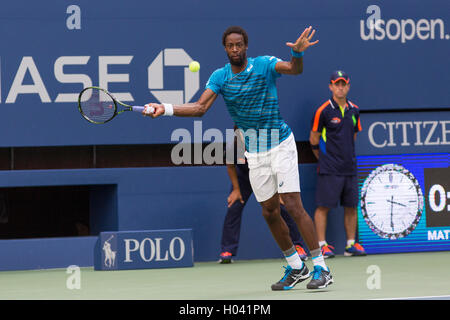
(97, 106)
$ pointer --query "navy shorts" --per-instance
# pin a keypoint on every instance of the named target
(332, 190)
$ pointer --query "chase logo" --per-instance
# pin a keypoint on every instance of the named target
(27, 79)
(172, 58)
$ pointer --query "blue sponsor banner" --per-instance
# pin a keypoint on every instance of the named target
(394, 52)
(148, 249)
(404, 133)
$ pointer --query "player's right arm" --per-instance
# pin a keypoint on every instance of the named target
(194, 109)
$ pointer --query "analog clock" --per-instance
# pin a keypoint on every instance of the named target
(391, 201)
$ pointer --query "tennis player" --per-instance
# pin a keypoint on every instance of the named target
(248, 88)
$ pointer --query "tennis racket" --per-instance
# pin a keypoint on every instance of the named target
(99, 106)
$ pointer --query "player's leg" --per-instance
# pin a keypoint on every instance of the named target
(350, 202)
(294, 233)
(230, 232)
(284, 163)
(296, 271)
(320, 221)
(232, 224)
(264, 187)
(321, 276)
(329, 189)
(294, 206)
(350, 219)
(277, 226)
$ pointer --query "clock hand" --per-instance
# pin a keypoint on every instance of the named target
(400, 204)
(392, 212)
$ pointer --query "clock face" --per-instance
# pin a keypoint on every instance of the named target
(391, 201)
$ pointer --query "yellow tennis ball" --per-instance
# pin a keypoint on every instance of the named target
(194, 66)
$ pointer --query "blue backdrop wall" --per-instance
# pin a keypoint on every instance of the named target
(396, 53)
(140, 49)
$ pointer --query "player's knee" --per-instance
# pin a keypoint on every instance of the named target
(271, 214)
(295, 210)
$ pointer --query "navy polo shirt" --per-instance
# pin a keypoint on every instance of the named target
(337, 144)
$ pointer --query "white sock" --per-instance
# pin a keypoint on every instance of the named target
(350, 242)
(318, 259)
(294, 261)
(322, 243)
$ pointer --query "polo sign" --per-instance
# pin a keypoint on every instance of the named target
(147, 249)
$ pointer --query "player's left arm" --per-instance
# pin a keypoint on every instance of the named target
(295, 66)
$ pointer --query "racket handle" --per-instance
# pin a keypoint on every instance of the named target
(141, 109)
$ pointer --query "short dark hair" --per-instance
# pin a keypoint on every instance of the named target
(235, 29)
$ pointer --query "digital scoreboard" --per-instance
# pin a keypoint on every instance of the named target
(404, 202)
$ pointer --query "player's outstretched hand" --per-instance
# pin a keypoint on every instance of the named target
(304, 41)
(153, 110)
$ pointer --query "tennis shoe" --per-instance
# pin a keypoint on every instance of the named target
(301, 252)
(355, 250)
(225, 258)
(291, 277)
(327, 251)
(321, 278)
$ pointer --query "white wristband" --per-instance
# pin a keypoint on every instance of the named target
(168, 109)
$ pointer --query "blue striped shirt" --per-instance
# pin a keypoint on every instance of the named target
(252, 101)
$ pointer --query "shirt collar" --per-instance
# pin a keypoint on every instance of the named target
(247, 69)
(335, 105)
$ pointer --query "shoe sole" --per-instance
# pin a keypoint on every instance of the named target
(348, 254)
(330, 281)
(328, 257)
(227, 261)
(301, 279)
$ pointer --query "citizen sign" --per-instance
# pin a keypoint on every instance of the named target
(406, 133)
(145, 249)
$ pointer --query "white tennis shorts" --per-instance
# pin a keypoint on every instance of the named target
(275, 170)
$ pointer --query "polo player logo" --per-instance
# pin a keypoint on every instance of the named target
(110, 256)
